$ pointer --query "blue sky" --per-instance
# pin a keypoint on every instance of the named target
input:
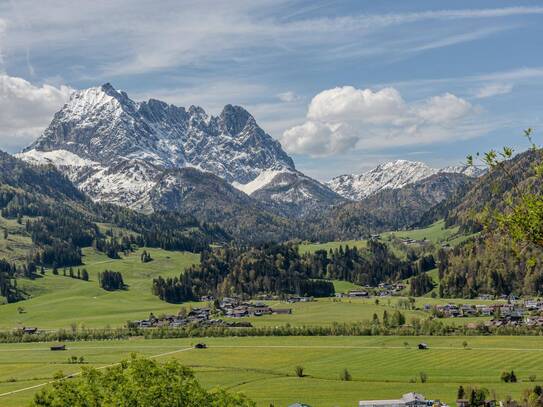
(343, 85)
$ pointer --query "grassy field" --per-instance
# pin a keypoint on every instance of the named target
(435, 233)
(59, 301)
(263, 368)
(17, 244)
(341, 286)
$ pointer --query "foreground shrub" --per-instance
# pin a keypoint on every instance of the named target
(137, 382)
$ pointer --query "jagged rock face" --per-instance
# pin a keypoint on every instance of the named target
(392, 175)
(104, 125)
(117, 150)
(294, 194)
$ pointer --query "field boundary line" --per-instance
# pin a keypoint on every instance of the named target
(79, 373)
(376, 347)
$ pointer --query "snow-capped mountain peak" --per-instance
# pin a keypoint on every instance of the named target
(116, 149)
(391, 175)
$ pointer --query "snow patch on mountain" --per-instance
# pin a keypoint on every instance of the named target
(265, 178)
(59, 158)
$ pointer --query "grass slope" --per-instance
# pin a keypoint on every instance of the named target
(263, 368)
(436, 233)
(59, 301)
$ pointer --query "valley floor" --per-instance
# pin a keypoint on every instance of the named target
(263, 368)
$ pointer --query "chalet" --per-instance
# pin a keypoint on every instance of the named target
(449, 310)
(259, 309)
(531, 305)
(486, 311)
(29, 330)
(207, 298)
(58, 347)
(423, 346)
(358, 293)
(228, 302)
(486, 297)
(534, 321)
(467, 310)
(238, 312)
(466, 403)
(516, 315)
(407, 400)
(200, 346)
(300, 299)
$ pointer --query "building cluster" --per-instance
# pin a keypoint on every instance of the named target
(382, 290)
(197, 316)
(407, 400)
(236, 308)
(514, 312)
(206, 317)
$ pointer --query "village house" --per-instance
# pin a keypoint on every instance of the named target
(300, 299)
(358, 293)
(407, 400)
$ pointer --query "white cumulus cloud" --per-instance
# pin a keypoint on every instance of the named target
(26, 109)
(345, 117)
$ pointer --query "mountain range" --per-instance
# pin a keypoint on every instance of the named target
(121, 151)
(391, 175)
(152, 156)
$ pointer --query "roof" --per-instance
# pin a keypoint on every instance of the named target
(406, 398)
(299, 405)
(413, 397)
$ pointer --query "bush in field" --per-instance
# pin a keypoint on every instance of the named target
(137, 383)
(299, 371)
(345, 376)
(508, 377)
(423, 377)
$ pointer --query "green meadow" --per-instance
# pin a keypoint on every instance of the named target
(58, 301)
(63, 302)
(263, 367)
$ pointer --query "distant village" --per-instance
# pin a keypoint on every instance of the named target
(210, 316)
(514, 312)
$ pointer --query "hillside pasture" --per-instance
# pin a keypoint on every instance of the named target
(59, 302)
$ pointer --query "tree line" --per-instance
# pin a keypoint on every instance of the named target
(280, 269)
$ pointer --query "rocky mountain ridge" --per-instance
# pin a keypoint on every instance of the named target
(391, 175)
(116, 150)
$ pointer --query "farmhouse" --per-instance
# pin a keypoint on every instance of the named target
(300, 299)
(407, 400)
(358, 293)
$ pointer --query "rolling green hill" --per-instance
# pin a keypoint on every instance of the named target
(58, 301)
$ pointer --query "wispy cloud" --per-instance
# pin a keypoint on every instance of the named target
(461, 38)
(138, 37)
(493, 89)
